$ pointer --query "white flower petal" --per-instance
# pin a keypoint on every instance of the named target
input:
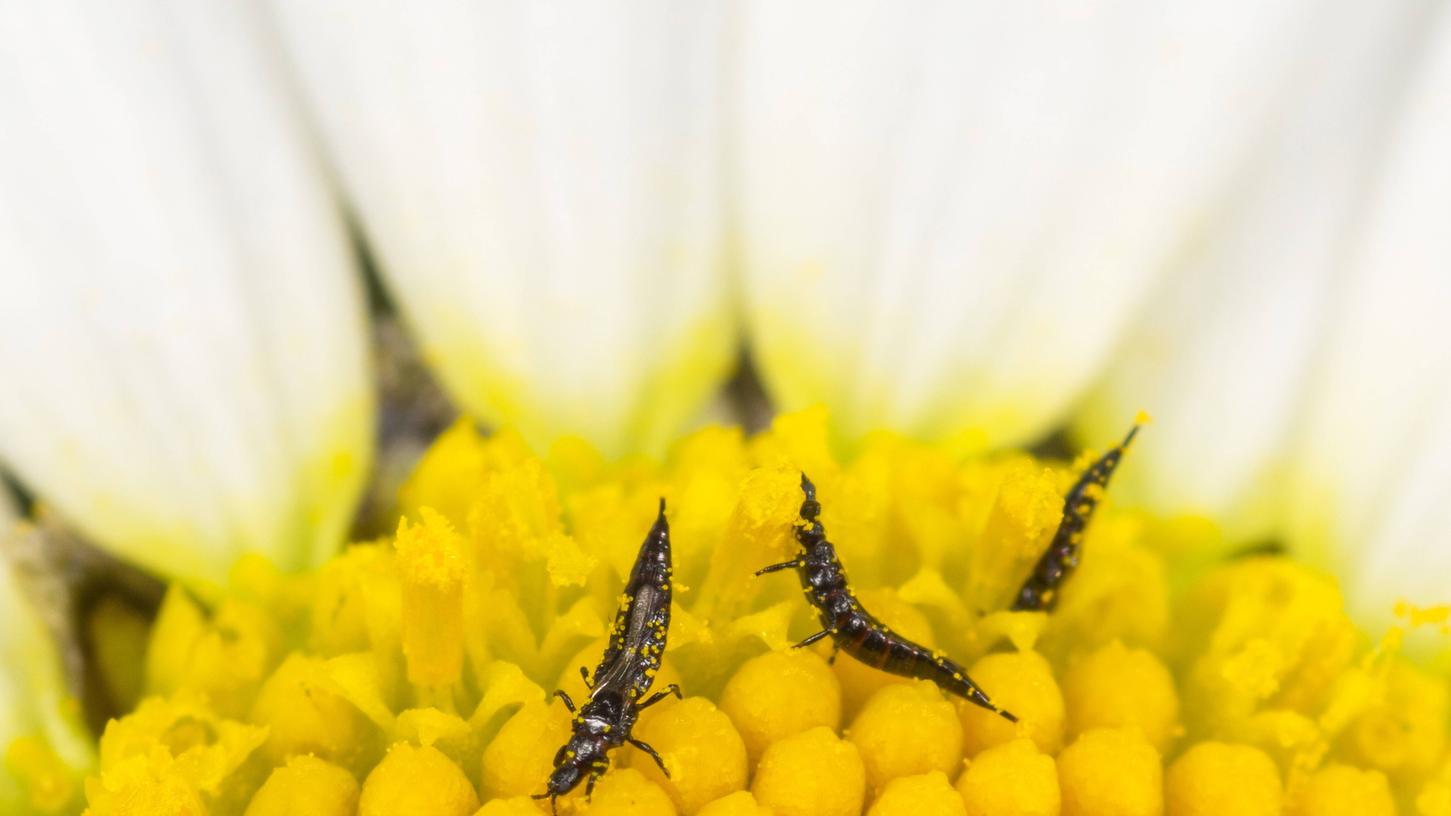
(180, 326)
(542, 188)
(1224, 351)
(951, 210)
(34, 703)
(1373, 467)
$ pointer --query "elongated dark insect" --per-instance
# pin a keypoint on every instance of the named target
(855, 630)
(623, 677)
(1040, 591)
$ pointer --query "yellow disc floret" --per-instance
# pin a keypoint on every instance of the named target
(778, 694)
(303, 713)
(813, 773)
(921, 795)
(907, 729)
(1111, 771)
(1118, 687)
(1341, 790)
(625, 792)
(740, 803)
(308, 785)
(704, 752)
(1012, 779)
(1214, 778)
(413, 779)
(521, 755)
(433, 563)
(1020, 682)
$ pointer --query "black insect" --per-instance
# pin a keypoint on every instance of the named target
(1040, 591)
(855, 630)
(623, 677)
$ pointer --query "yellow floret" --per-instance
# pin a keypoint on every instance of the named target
(1028, 506)
(700, 746)
(49, 784)
(517, 806)
(306, 785)
(1404, 733)
(1215, 778)
(625, 792)
(417, 780)
(521, 756)
(860, 681)
(434, 567)
(1117, 687)
(905, 730)
(223, 658)
(1012, 779)
(813, 773)
(778, 694)
(1340, 790)
(740, 803)
(304, 714)
(921, 795)
(1111, 771)
(1020, 682)
(139, 786)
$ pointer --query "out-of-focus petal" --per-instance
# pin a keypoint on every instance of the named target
(180, 327)
(44, 749)
(1373, 464)
(542, 187)
(1224, 351)
(951, 211)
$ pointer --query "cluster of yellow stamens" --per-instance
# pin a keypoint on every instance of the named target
(412, 675)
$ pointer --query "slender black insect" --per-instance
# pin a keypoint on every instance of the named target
(1040, 591)
(623, 677)
(855, 630)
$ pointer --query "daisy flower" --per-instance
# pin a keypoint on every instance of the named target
(962, 246)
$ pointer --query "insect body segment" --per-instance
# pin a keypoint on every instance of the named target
(619, 684)
(1040, 591)
(855, 630)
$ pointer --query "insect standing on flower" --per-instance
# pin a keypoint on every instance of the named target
(851, 627)
(1040, 591)
(623, 677)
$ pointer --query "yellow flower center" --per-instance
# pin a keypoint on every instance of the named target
(413, 675)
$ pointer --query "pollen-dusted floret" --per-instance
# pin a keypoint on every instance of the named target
(1214, 778)
(434, 566)
(222, 658)
(413, 779)
(139, 785)
(920, 795)
(304, 714)
(740, 803)
(1118, 687)
(777, 694)
(1020, 682)
(521, 755)
(626, 792)
(704, 752)
(1340, 790)
(907, 729)
(814, 773)
(308, 785)
(1404, 731)
(1108, 770)
(1012, 779)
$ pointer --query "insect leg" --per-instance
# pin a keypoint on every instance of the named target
(818, 636)
(662, 694)
(553, 801)
(792, 564)
(835, 650)
(589, 682)
(568, 703)
(653, 755)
